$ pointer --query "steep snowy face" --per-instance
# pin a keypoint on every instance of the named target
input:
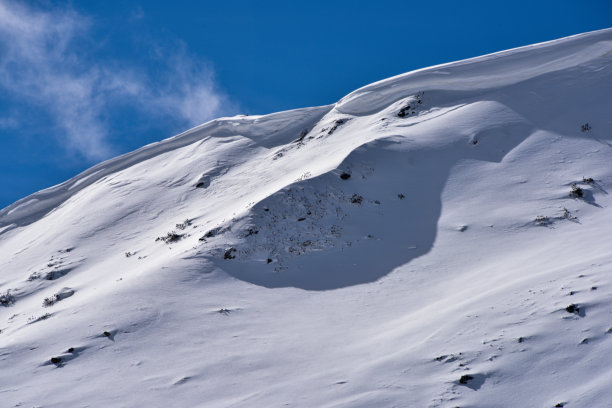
(420, 243)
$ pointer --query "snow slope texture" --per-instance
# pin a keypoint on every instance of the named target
(435, 239)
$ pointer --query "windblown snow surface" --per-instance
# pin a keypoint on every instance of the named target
(436, 239)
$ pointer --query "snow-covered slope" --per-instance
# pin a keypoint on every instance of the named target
(414, 245)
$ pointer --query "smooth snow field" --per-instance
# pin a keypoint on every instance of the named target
(436, 239)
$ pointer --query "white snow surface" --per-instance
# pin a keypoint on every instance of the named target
(439, 274)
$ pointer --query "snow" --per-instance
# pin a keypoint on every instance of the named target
(453, 249)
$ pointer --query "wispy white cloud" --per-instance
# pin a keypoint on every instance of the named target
(44, 60)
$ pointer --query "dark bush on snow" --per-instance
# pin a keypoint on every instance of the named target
(356, 199)
(7, 299)
(572, 309)
(405, 111)
(184, 224)
(229, 254)
(345, 176)
(576, 192)
(170, 237)
(465, 378)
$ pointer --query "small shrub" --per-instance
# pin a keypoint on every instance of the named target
(410, 109)
(465, 378)
(184, 224)
(345, 176)
(7, 299)
(50, 301)
(572, 309)
(568, 215)
(170, 237)
(542, 220)
(61, 295)
(224, 311)
(56, 360)
(588, 180)
(356, 199)
(405, 111)
(229, 253)
(33, 319)
(586, 127)
(128, 254)
(576, 192)
(301, 219)
(106, 334)
(401, 196)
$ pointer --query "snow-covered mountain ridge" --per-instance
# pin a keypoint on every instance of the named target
(434, 239)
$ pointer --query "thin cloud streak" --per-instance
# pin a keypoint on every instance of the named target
(44, 61)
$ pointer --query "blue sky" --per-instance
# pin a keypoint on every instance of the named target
(82, 81)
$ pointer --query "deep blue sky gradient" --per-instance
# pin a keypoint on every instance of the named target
(269, 56)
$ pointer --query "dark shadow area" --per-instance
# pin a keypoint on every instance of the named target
(589, 198)
(315, 235)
